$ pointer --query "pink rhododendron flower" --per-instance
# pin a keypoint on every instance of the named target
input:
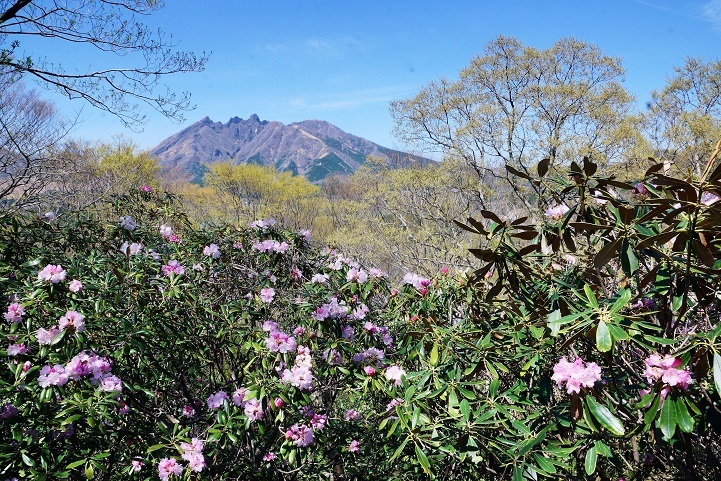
(52, 376)
(111, 384)
(212, 251)
(357, 275)
(296, 274)
(131, 249)
(279, 341)
(348, 333)
(300, 434)
(46, 337)
(354, 446)
(72, 319)
(298, 376)
(708, 198)
(52, 273)
(267, 294)
(394, 402)
(17, 349)
(418, 282)
(128, 223)
(136, 466)
(168, 467)
(188, 411)
(75, 286)
(666, 369)
(269, 457)
(319, 279)
(145, 188)
(270, 245)
(253, 410)
(216, 401)
(15, 312)
(172, 267)
(333, 357)
(376, 273)
(278, 403)
(239, 396)
(395, 373)
(193, 453)
(165, 231)
(557, 212)
(352, 415)
(369, 371)
(262, 223)
(318, 421)
(576, 375)
(371, 354)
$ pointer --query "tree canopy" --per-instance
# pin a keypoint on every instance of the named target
(112, 26)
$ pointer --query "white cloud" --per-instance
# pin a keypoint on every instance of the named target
(711, 11)
(349, 100)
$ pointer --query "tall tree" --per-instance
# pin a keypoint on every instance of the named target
(30, 131)
(111, 26)
(515, 105)
(683, 120)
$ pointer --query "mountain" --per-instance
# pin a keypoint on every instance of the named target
(312, 148)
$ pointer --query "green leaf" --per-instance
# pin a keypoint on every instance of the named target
(465, 410)
(602, 449)
(434, 354)
(592, 301)
(544, 464)
(652, 411)
(667, 421)
(604, 343)
(155, 447)
(590, 463)
(717, 372)
(552, 321)
(605, 417)
(423, 459)
(75, 464)
(629, 261)
(684, 419)
(621, 302)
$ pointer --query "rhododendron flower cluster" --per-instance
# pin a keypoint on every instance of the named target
(172, 267)
(279, 341)
(357, 275)
(395, 373)
(15, 312)
(267, 294)
(270, 245)
(128, 223)
(557, 212)
(52, 273)
(131, 249)
(300, 374)
(212, 250)
(17, 349)
(319, 279)
(168, 467)
(165, 231)
(46, 336)
(253, 409)
(193, 454)
(216, 401)
(300, 434)
(354, 446)
(83, 365)
(262, 223)
(75, 286)
(333, 309)
(576, 375)
(351, 415)
(371, 354)
(72, 319)
(666, 369)
(418, 282)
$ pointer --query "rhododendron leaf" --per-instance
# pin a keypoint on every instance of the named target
(621, 302)
(668, 419)
(434, 355)
(717, 372)
(423, 459)
(605, 417)
(75, 464)
(552, 321)
(590, 461)
(602, 449)
(155, 447)
(544, 464)
(604, 343)
(684, 419)
(618, 333)
(89, 472)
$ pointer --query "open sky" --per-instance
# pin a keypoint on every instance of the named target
(344, 61)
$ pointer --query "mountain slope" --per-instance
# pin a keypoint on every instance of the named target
(312, 148)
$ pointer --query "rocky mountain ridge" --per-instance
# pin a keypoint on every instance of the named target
(314, 149)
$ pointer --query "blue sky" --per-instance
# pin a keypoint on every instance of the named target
(344, 61)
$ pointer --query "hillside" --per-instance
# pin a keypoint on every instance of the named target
(312, 148)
